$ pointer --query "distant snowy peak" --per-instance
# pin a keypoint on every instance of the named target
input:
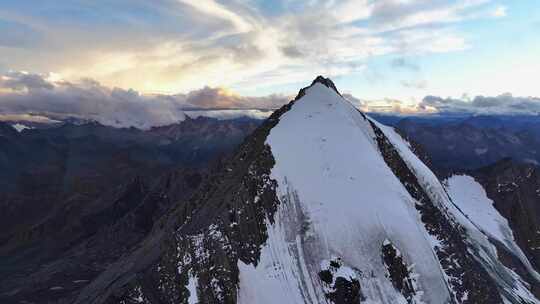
(360, 194)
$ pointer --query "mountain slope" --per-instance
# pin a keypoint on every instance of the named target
(75, 198)
(515, 191)
(321, 204)
(474, 142)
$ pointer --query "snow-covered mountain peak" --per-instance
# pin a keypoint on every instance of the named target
(351, 190)
(322, 204)
(326, 82)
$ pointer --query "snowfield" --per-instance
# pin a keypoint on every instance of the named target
(333, 181)
(472, 200)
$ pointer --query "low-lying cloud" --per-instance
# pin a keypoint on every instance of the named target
(25, 93)
(505, 104)
(502, 104)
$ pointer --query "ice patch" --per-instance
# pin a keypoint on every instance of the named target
(192, 288)
(20, 127)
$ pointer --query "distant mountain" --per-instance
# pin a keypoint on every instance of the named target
(317, 204)
(322, 204)
(473, 142)
(74, 198)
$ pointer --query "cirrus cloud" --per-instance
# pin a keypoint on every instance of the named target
(173, 46)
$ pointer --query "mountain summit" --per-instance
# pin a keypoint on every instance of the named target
(321, 204)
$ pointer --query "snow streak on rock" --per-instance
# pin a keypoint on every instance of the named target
(511, 288)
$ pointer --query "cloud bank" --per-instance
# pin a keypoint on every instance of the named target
(502, 104)
(35, 97)
(24, 93)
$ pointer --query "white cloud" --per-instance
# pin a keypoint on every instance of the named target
(500, 11)
(414, 84)
(171, 46)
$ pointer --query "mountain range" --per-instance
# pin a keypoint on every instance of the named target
(319, 203)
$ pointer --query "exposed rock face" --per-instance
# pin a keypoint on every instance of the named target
(220, 224)
(78, 197)
(74, 246)
(340, 283)
(398, 271)
(452, 252)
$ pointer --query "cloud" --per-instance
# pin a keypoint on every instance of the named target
(500, 11)
(502, 104)
(176, 46)
(393, 106)
(27, 117)
(414, 84)
(220, 98)
(36, 95)
(23, 81)
(292, 51)
(505, 104)
(403, 63)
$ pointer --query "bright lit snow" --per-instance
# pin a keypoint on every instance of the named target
(332, 179)
(340, 199)
(472, 199)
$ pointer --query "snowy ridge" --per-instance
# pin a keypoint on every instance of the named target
(513, 289)
(339, 201)
(472, 200)
(329, 168)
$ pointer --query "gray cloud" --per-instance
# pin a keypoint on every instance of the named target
(20, 81)
(355, 101)
(292, 51)
(25, 94)
(218, 98)
(414, 84)
(502, 104)
(403, 63)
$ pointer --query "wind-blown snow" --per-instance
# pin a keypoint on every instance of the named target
(338, 199)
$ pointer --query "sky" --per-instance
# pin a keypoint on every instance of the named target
(403, 55)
